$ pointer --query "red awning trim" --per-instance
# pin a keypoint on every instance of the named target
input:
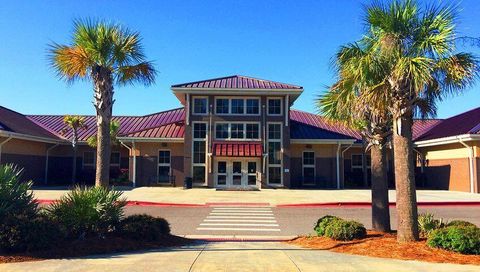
(237, 149)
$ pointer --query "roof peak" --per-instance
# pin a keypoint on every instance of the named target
(236, 82)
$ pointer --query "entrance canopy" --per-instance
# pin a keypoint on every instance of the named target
(237, 149)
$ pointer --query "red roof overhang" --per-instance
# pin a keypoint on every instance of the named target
(237, 149)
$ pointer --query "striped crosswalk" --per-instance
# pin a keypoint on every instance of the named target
(240, 219)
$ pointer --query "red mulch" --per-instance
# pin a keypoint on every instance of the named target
(93, 246)
(385, 245)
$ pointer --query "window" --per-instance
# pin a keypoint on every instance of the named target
(199, 130)
(88, 158)
(357, 161)
(252, 131)
(198, 174)
(236, 131)
(274, 106)
(222, 173)
(274, 153)
(237, 106)
(115, 158)
(274, 175)
(222, 106)
(308, 167)
(274, 131)
(199, 152)
(221, 130)
(164, 166)
(200, 105)
(253, 106)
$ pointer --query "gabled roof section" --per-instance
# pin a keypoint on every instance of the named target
(306, 125)
(12, 121)
(237, 82)
(421, 127)
(464, 123)
(128, 124)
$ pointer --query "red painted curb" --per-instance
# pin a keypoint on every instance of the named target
(237, 204)
(139, 203)
(368, 204)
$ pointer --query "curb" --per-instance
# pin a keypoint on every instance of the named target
(140, 203)
(240, 238)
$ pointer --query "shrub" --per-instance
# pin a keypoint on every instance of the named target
(464, 240)
(323, 222)
(460, 223)
(15, 197)
(144, 227)
(345, 230)
(427, 223)
(88, 211)
(26, 234)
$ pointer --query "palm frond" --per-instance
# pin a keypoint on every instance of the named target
(142, 73)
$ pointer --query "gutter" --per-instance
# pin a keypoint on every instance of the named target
(470, 160)
(134, 172)
(1, 144)
(448, 140)
(20, 136)
(46, 162)
(137, 139)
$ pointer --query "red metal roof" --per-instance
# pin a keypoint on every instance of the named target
(13, 121)
(237, 82)
(228, 149)
(173, 130)
(464, 123)
(422, 126)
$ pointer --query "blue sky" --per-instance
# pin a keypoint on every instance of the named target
(286, 41)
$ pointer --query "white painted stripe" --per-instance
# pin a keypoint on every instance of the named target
(242, 211)
(239, 224)
(240, 220)
(245, 213)
(242, 216)
(239, 229)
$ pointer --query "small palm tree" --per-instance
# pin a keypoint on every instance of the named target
(412, 54)
(114, 129)
(105, 54)
(74, 123)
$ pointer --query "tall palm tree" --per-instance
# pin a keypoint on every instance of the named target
(105, 54)
(416, 50)
(343, 103)
(74, 123)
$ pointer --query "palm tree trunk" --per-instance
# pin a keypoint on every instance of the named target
(74, 165)
(406, 199)
(103, 102)
(380, 208)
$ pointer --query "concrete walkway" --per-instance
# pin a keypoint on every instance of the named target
(271, 196)
(233, 256)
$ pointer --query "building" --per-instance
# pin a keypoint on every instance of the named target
(231, 132)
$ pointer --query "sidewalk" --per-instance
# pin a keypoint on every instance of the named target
(203, 196)
(233, 256)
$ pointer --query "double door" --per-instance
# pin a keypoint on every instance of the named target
(236, 172)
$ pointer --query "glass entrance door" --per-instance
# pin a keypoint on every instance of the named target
(236, 172)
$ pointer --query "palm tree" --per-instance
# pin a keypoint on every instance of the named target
(415, 50)
(74, 123)
(105, 54)
(114, 129)
(343, 103)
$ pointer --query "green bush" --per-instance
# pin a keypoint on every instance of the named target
(427, 223)
(464, 240)
(15, 197)
(88, 211)
(323, 222)
(20, 234)
(144, 227)
(460, 223)
(345, 230)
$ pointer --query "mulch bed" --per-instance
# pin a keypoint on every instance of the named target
(385, 245)
(93, 246)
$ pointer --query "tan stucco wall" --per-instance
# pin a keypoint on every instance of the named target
(23, 147)
(321, 150)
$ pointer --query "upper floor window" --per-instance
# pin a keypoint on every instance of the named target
(274, 131)
(237, 106)
(274, 106)
(199, 130)
(253, 106)
(236, 131)
(200, 105)
(252, 131)
(222, 106)
(221, 130)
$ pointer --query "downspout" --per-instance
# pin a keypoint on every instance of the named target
(265, 153)
(343, 156)
(1, 144)
(338, 164)
(470, 159)
(209, 142)
(131, 150)
(46, 162)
